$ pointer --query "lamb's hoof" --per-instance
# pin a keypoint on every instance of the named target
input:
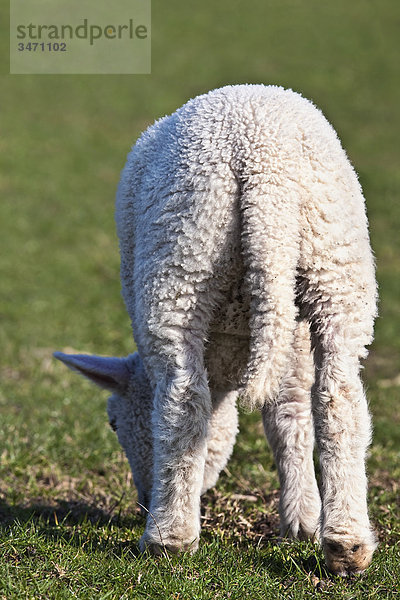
(346, 558)
(300, 532)
(171, 545)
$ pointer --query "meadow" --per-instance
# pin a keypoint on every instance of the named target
(69, 519)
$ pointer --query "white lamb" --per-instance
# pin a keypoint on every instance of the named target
(246, 270)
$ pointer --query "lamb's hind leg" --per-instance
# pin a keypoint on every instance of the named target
(181, 415)
(289, 429)
(342, 427)
(337, 291)
(341, 329)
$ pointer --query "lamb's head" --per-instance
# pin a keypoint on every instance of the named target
(129, 408)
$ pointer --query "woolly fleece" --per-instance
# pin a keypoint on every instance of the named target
(246, 268)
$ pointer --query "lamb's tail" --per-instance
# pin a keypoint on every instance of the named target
(270, 244)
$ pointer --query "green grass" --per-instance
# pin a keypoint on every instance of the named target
(69, 523)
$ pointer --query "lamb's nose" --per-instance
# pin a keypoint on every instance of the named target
(351, 571)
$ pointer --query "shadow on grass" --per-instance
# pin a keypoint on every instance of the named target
(74, 523)
(85, 526)
(91, 530)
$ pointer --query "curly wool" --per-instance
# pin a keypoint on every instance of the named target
(246, 269)
(238, 215)
(245, 187)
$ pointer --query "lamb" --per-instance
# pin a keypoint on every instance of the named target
(247, 272)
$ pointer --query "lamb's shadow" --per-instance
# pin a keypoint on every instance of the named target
(72, 522)
(310, 568)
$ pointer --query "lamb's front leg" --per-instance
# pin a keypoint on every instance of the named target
(221, 436)
(182, 412)
(342, 426)
(289, 430)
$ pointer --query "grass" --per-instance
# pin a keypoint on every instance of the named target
(69, 523)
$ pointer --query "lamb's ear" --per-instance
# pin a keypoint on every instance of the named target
(109, 373)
